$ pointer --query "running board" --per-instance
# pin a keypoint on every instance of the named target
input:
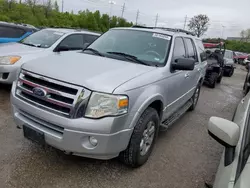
(173, 118)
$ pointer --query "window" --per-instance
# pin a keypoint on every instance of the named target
(43, 38)
(11, 32)
(73, 42)
(90, 38)
(245, 150)
(179, 48)
(191, 49)
(228, 54)
(201, 50)
(151, 48)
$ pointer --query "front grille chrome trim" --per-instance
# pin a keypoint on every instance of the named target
(59, 98)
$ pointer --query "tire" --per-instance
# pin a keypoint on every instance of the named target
(245, 88)
(213, 79)
(195, 97)
(220, 77)
(230, 74)
(134, 156)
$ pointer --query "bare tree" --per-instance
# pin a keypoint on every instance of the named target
(245, 35)
(199, 24)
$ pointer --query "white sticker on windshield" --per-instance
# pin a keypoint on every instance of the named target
(58, 33)
(157, 35)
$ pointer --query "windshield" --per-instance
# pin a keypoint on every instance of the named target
(43, 38)
(148, 47)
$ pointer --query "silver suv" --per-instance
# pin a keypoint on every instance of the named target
(40, 44)
(111, 99)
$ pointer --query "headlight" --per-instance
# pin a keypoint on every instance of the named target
(9, 60)
(101, 105)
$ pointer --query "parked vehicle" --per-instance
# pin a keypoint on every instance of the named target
(246, 86)
(40, 44)
(234, 167)
(215, 68)
(10, 32)
(111, 99)
(247, 61)
(240, 57)
(228, 63)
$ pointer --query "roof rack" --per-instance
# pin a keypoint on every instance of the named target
(166, 29)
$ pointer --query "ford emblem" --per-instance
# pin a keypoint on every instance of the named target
(39, 92)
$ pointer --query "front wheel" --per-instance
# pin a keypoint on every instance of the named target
(142, 139)
(195, 97)
(231, 72)
(213, 79)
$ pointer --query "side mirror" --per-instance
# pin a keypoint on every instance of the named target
(226, 133)
(85, 45)
(183, 64)
(62, 48)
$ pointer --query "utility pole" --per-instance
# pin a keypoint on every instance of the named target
(62, 5)
(185, 22)
(156, 20)
(123, 9)
(137, 17)
(222, 32)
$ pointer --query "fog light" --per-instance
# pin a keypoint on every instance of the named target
(93, 140)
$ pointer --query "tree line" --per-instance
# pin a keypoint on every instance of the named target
(47, 14)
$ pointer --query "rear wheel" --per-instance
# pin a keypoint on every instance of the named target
(220, 77)
(231, 72)
(213, 79)
(142, 139)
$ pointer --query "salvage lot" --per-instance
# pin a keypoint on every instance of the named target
(184, 156)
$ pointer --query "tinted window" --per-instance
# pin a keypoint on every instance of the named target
(201, 50)
(73, 42)
(190, 49)
(179, 48)
(9, 32)
(245, 150)
(43, 38)
(152, 48)
(90, 38)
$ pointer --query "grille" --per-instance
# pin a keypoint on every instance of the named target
(55, 96)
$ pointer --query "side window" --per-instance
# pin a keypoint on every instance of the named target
(90, 38)
(191, 49)
(201, 50)
(179, 48)
(245, 150)
(73, 42)
(9, 32)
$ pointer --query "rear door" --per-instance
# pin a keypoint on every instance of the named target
(72, 42)
(89, 38)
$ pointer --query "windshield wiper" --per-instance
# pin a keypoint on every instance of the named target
(129, 57)
(29, 44)
(94, 51)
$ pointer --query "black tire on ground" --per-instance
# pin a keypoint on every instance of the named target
(220, 77)
(196, 92)
(245, 89)
(231, 72)
(213, 79)
(132, 155)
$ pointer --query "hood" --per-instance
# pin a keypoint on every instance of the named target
(17, 49)
(90, 71)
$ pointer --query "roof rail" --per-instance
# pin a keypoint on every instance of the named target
(166, 29)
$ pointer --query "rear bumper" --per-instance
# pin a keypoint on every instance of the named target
(8, 73)
(73, 135)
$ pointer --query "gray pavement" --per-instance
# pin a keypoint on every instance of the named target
(184, 156)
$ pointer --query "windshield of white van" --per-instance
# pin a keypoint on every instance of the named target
(43, 38)
(133, 45)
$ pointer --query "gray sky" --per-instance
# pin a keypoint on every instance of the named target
(232, 14)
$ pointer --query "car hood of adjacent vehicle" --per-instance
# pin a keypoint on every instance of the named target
(94, 72)
(17, 49)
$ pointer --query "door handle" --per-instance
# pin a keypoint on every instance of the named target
(186, 75)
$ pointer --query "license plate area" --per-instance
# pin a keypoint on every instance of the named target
(34, 135)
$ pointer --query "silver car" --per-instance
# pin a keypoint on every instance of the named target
(40, 44)
(111, 99)
(234, 168)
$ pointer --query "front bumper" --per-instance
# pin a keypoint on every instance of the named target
(72, 135)
(8, 73)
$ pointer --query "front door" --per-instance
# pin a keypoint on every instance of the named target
(178, 83)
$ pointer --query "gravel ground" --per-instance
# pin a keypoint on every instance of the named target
(184, 156)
